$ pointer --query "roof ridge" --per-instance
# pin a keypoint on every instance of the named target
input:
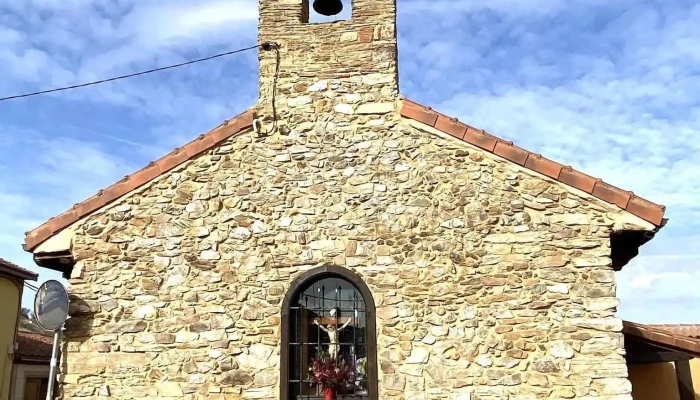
(628, 201)
(139, 178)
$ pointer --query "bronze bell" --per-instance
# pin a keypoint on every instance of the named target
(328, 7)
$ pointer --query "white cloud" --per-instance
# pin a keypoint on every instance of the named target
(504, 7)
(629, 116)
(608, 87)
(146, 34)
(614, 94)
(188, 20)
(661, 288)
(644, 281)
(52, 174)
(111, 130)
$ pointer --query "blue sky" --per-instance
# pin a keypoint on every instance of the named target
(611, 88)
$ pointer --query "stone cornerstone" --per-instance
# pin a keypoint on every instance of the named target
(490, 281)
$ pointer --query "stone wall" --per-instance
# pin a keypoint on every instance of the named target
(328, 71)
(490, 282)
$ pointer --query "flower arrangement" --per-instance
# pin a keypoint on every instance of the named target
(362, 366)
(330, 374)
(361, 374)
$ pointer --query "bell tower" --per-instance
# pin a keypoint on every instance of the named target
(328, 7)
(335, 68)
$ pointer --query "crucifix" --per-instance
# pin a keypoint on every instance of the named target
(332, 336)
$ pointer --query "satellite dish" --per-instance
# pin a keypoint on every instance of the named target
(51, 305)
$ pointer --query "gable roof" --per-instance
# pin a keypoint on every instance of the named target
(131, 182)
(628, 201)
(15, 270)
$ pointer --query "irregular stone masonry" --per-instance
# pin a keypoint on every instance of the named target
(491, 282)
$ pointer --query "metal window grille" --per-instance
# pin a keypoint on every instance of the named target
(335, 304)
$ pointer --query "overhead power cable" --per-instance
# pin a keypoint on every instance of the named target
(228, 53)
(30, 286)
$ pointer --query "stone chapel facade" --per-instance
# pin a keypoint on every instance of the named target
(462, 266)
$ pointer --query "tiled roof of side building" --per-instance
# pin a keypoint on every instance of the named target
(689, 330)
(34, 345)
(663, 337)
(17, 271)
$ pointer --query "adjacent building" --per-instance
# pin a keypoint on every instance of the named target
(663, 361)
(437, 260)
(12, 278)
(32, 361)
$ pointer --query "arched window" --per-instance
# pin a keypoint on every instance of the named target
(328, 314)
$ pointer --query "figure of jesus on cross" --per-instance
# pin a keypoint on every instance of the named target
(332, 335)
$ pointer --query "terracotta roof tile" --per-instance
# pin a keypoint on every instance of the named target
(511, 152)
(642, 208)
(663, 337)
(544, 166)
(419, 113)
(577, 179)
(689, 330)
(178, 156)
(34, 345)
(612, 194)
(451, 126)
(481, 139)
(17, 271)
(645, 209)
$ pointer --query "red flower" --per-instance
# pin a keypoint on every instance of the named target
(327, 372)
